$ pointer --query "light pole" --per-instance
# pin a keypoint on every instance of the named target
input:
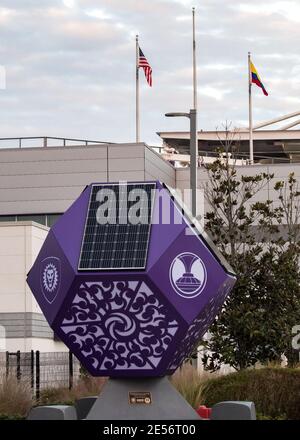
(192, 115)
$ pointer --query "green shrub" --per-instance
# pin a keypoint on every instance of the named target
(4, 416)
(275, 391)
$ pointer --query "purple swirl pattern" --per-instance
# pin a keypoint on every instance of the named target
(119, 325)
(198, 328)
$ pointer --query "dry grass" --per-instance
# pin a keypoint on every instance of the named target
(190, 384)
(15, 397)
(88, 386)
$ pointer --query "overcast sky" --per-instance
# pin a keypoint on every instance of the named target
(70, 64)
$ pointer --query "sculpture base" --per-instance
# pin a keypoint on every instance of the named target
(141, 399)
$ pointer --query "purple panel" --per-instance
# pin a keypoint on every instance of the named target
(50, 278)
(200, 325)
(118, 327)
(189, 275)
(70, 227)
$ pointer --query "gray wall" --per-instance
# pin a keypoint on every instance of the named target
(28, 325)
(48, 180)
(280, 171)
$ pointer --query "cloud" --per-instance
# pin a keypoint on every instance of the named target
(70, 65)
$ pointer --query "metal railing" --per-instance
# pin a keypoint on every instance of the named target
(258, 157)
(52, 141)
(45, 141)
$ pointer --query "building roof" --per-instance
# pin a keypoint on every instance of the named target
(241, 134)
(282, 144)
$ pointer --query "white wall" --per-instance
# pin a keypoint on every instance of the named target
(20, 244)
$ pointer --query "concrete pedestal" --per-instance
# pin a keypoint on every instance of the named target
(233, 410)
(141, 399)
(84, 405)
(53, 412)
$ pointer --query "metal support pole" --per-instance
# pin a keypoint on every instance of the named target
(194, 63)
(32, 369)
(192, 115)
(7, 364)
(37, 374)
(137, 93)
(18, 355)
(251, 155)
(194, 158)
(70, 370)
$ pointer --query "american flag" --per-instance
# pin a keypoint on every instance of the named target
(146, 66)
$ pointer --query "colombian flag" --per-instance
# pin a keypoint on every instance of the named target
(256, 79)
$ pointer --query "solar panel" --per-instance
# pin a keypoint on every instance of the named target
(117, 228)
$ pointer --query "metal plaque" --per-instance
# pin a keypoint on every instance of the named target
(140, 398)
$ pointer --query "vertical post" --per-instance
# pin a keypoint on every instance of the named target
(70, 370)
(137, 92)
(251, 156)
(7, 364)
(18, 354)
(194, 157)
(195, 103)
(193, 128)
(37, 374)
(32, 369)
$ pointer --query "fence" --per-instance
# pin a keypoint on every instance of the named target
(45, 141)
(42, 370)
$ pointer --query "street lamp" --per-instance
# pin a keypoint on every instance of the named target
(192, 115)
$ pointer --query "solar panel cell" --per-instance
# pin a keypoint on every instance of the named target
(117, 227)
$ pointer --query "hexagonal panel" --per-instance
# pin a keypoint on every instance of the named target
(130, 322)
(119, 325)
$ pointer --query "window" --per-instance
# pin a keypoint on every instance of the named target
(42, 219)
(8, 218)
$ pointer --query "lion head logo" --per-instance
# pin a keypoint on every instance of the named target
(50, 277)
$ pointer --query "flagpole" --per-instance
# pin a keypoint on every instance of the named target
(137, 93)
(193, 129)
(194, 63)
(251, 156)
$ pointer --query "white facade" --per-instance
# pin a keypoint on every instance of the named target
(25, 326)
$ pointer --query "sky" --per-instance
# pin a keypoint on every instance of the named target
(68, 66)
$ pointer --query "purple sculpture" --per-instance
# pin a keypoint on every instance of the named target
(152, 292)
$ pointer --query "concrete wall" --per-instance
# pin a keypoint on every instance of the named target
(20, 314)
(281, 172)
(158, 169)
(48, 180)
